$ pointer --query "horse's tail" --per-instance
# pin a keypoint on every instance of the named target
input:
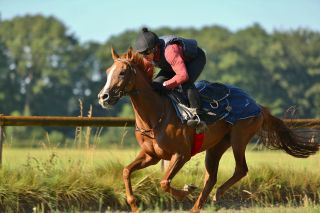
(276, 134)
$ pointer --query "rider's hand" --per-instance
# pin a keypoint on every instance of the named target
(158, 87)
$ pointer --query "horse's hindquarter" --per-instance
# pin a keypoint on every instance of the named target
(215, 133)
(218, 130)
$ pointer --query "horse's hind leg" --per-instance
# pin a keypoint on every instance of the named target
(241, 133)
(142, 160)
(212, 159)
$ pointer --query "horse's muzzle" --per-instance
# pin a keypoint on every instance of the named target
(106, 100)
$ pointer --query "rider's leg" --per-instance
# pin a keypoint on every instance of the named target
(195, 68)
(195, 103)
(194, 98)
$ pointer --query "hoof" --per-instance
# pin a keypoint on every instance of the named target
(216, 198)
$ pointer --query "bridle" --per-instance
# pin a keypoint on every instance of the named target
(118, 93)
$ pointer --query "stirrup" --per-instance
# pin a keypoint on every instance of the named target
(194, 121)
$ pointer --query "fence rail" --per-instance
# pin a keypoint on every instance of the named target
(64, 121)
(59, 121)
(102, 121)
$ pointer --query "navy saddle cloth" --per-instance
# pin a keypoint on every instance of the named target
(218, 101)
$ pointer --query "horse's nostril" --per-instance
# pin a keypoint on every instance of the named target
(105, 96)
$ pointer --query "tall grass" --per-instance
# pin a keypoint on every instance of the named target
(92, 180)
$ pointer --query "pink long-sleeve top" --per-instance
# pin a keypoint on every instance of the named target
(174, 56)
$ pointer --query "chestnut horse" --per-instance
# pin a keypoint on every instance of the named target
(161, 135)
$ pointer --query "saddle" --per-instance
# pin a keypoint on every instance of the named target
(218, 101)
(214, 103)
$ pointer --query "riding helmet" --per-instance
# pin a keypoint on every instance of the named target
(146, 40)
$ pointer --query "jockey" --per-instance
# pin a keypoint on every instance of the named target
(180, 61)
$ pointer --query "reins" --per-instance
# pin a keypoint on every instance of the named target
(150, 132)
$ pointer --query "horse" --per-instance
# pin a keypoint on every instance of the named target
(162, 135)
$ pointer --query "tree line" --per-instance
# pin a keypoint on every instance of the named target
(45, 70)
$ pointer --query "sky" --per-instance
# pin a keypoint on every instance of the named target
(98, 20)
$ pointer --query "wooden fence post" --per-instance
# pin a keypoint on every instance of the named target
(1, 142)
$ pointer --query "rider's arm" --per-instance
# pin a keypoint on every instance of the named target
(174, 56)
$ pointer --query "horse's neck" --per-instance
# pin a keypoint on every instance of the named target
(149, 107)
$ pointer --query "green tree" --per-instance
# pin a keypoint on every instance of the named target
(40, 52)
(5, 80)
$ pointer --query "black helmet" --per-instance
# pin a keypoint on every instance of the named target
(146, 40)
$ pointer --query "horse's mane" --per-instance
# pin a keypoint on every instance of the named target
(137, 60)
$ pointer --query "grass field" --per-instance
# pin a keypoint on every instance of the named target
(91, 157)
(91, 179)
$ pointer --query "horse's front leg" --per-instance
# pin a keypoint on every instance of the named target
(176, 163)
(142, 160)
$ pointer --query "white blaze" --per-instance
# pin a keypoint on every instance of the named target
(109, 78)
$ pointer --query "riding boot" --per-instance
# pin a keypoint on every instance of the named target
(195, 103)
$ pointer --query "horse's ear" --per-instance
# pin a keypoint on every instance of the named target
(130, 53)
(114, 54)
